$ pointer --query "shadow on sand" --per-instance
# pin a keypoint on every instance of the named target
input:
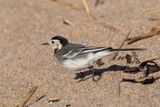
(82, 76)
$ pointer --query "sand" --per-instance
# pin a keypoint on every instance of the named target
(25, 63)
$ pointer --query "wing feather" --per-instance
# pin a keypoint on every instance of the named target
(79, 50)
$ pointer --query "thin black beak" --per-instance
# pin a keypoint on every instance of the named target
(45, 44)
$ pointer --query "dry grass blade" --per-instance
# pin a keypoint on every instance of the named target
(125, 39)
(153, 10)
(119, 88)
(145, 36)
(110, 27)
(87, 9)
(154, 58)
(53, 101)
(28, 96)
(68, 22)
(157, 76)
(154, 31)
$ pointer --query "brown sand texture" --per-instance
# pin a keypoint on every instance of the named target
(25, 63)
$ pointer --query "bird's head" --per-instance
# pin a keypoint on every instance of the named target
(57, 42)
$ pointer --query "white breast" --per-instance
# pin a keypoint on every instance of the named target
(83, 63)
(79, 63)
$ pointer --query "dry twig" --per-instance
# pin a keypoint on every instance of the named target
(87, 9)
(154, 31)
(110, 27)
(53, 101)
(153, 10)
(122, 44)
(68, 22)
(28, 96)
(154, 58)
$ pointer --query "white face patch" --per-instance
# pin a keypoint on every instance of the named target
(56, 44)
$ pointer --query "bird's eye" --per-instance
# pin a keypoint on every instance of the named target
(52, 42)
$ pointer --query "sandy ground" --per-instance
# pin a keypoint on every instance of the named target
(24, 63)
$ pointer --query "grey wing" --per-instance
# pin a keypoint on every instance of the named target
(81, 49)
(74, 51)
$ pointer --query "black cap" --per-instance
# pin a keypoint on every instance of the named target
(62, 40)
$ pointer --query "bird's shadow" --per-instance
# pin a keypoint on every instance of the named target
(99, 72)
(113, 68)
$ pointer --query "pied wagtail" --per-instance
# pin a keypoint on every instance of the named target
(79, 57)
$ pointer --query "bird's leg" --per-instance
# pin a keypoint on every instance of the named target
(99, 62)
(91, 68)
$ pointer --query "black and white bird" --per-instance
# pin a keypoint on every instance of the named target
(79, 57)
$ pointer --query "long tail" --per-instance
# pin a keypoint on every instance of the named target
(129, 49)
(108, 51)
